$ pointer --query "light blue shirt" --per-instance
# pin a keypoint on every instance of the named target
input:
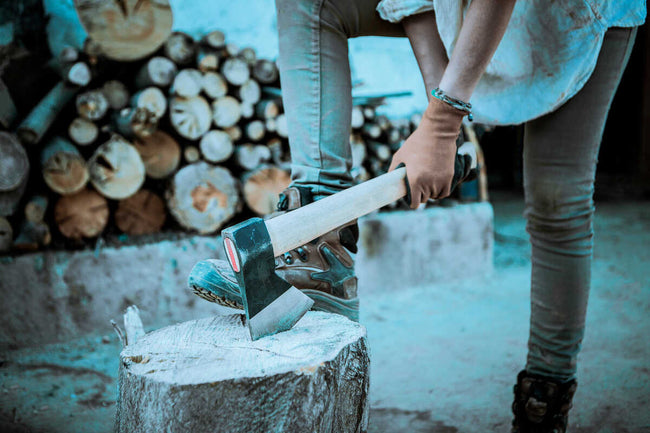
(546, 56)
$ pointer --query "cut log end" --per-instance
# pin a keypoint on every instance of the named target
(81, 215)
(142, 213)
(160, 154)
(262, 188)
(116, 169)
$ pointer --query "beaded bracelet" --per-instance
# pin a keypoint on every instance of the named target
(456, 103)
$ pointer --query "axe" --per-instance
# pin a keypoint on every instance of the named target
(271, 304)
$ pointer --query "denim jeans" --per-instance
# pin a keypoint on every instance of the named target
(560, 154)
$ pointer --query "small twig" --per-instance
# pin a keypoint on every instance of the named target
(119, 332)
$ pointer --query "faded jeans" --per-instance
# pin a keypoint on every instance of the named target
(560, 154)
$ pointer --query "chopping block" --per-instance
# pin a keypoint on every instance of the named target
(208, 376)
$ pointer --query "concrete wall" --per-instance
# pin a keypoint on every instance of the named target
(382, 64)
(54, 296)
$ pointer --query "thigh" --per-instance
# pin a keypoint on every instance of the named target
(359, 18)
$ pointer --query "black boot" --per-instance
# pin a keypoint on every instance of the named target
(541, 404)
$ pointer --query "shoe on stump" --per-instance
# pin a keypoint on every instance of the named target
(323, 269)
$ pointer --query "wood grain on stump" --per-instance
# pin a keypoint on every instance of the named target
(142, 213)
(208, 376)
(262, 188)
(81, 215)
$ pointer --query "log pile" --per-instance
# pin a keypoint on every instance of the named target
(185, 137)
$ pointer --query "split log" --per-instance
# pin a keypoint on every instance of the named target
(247, 110)
(160, 154)
(267, 109)
(32, 236)
(190, 117)
(251, 156)
(92, 105)
(180, 48)
(358, 148)
(207, 60)
(357, 118)
(271, 125)
(35, 209)
(135, 122)
(116, 93)
(14, 172)
(64, 169)
(248, 55)
(250, 92)
(126, 30)
(142, 213)
(187, 83)
(151, 98)
(234, 132)
(8, 110)
(381, 151)
(81, 215)
(77, 74)
(203, 197)
(226, 111)
(82, 131)
(281, 126)
(34, 232)
(255, 130)
(215, 40)
(368, 112)
(37, 123)
(116, 169)
(262, 187)
(6, 235)
(216, 146)
(235, 71)
(133, 327)
(191, 154)
(372, 130)
(158, 71)
(214, 85)
(208, 376)
(265, 72)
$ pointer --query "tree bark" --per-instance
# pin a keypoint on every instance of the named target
(64, 169)
(208, 376)
(160, 154)
(81, 215)
(262, 188)
(126, 30)
(39, 120)
(116, 169)
(203, 197)
(142, 213)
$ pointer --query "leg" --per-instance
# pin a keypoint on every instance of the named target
(560, 154)
(315, 77)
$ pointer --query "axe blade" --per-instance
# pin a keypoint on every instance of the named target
(271, 304)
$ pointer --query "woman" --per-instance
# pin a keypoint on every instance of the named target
(553, 65)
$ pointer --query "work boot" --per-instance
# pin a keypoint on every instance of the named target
(541, 404)
(323, 268)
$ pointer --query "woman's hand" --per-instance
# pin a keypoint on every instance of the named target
(430, 152)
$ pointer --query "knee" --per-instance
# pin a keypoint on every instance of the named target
(559, 208)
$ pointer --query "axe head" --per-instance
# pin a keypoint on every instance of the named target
(272, 305)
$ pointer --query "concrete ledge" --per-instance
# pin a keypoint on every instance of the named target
(418, 248)
(55, 296)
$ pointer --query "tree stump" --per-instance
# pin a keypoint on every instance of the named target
(208, 376)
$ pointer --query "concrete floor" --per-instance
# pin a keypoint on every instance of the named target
(444, 358)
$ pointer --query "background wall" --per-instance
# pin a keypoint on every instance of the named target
(381, 64)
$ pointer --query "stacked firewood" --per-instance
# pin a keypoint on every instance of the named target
(196, 130)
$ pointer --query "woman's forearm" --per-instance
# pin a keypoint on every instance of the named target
(427, 46)
(483, 27)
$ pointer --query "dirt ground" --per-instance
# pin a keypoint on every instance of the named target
(444, 357)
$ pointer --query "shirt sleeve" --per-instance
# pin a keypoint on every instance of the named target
(396, 10)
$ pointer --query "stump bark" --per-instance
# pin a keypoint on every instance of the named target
(208, 376)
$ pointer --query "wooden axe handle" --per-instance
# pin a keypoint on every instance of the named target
(298, 227)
